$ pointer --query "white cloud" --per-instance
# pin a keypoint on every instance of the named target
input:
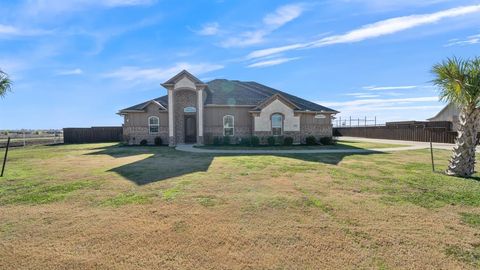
(272, 62)
(10, 31)
(130, 73)
(381, 88)
(470, 40)
(374, 30)
(209, 29)
(271, 22)
(283, 15)
(76, 71)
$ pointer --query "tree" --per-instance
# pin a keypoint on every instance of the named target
(459, 82)
(5, 84)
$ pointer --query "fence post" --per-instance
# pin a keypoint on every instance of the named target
(350, 121)
(5, 157)
(375, 120)
(24, 138)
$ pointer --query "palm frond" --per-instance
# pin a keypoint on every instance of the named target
(5, 84)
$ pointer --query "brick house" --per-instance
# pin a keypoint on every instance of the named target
(196, 112)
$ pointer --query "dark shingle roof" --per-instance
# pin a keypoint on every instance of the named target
(230, 92)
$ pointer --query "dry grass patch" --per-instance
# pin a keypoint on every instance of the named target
(103, 206)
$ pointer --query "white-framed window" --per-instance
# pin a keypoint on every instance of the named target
(228, 125)
(153, 124)
(277, 124)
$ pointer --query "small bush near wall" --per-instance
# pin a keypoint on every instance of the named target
(255, 141)
(217, 141)
(227, 140)
(271, 140)
(310, 140)
(245, 141)
(158, 141)
(288, 141)
(327, 140)
(143, 142)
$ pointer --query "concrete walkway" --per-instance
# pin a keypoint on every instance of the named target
(409, 145)
(445, 146)
(191, 148)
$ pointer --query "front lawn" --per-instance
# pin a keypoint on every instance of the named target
(341, 144)
(105, 206)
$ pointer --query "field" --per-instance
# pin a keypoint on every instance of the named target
(105, 206)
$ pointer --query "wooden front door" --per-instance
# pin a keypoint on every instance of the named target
(190, 129)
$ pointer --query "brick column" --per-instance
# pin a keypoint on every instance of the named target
(171, 119)
(200, 116)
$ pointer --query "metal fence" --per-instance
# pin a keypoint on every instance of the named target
(28, 138)
(93, 134)
(355, 122)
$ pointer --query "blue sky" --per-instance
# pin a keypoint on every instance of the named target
(76, 63)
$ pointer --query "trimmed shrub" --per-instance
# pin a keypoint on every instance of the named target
(288, 141)
(143, 142)
(158, 141)
(310, 140)
(217, 141)
(254, 141)
(327, 140)
(227, 140)
(271, 140)
(245, 141)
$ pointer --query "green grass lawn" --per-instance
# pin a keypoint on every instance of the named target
(341, 144)
(105, 206)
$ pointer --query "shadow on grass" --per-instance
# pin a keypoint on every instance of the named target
(163, 162)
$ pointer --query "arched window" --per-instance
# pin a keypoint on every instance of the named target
(153, 124)
(228, 125)
(277, 124)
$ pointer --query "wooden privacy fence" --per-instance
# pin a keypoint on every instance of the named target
(439, 132)
(92, 135)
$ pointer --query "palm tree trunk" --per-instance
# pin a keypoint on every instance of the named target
(462, 162)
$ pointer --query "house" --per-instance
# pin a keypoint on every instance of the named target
(449, 113)
(197, 112)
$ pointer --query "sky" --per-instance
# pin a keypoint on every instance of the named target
(77, 63)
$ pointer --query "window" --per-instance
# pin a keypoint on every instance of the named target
(277, 124)
(153, 124)
(228, 125)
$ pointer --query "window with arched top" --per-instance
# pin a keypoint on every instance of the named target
(153, 124)
(277, 124)
(228, 125)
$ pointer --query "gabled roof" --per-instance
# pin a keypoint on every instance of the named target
(232, 92)
(448, 106)
(269, 100)
(182, 73)
(163, 101)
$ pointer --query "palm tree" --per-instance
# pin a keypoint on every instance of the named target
(5, 84)
(459, 82)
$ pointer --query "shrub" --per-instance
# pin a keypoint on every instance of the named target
(327, 140)
(288, 141)
(158, 140)
(245, 141)
(254, 141)
(143, 142)
(226, 140)
(310, 140)
(217, 141)
(271, 140)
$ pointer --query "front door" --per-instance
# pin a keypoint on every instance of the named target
(190, 129)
